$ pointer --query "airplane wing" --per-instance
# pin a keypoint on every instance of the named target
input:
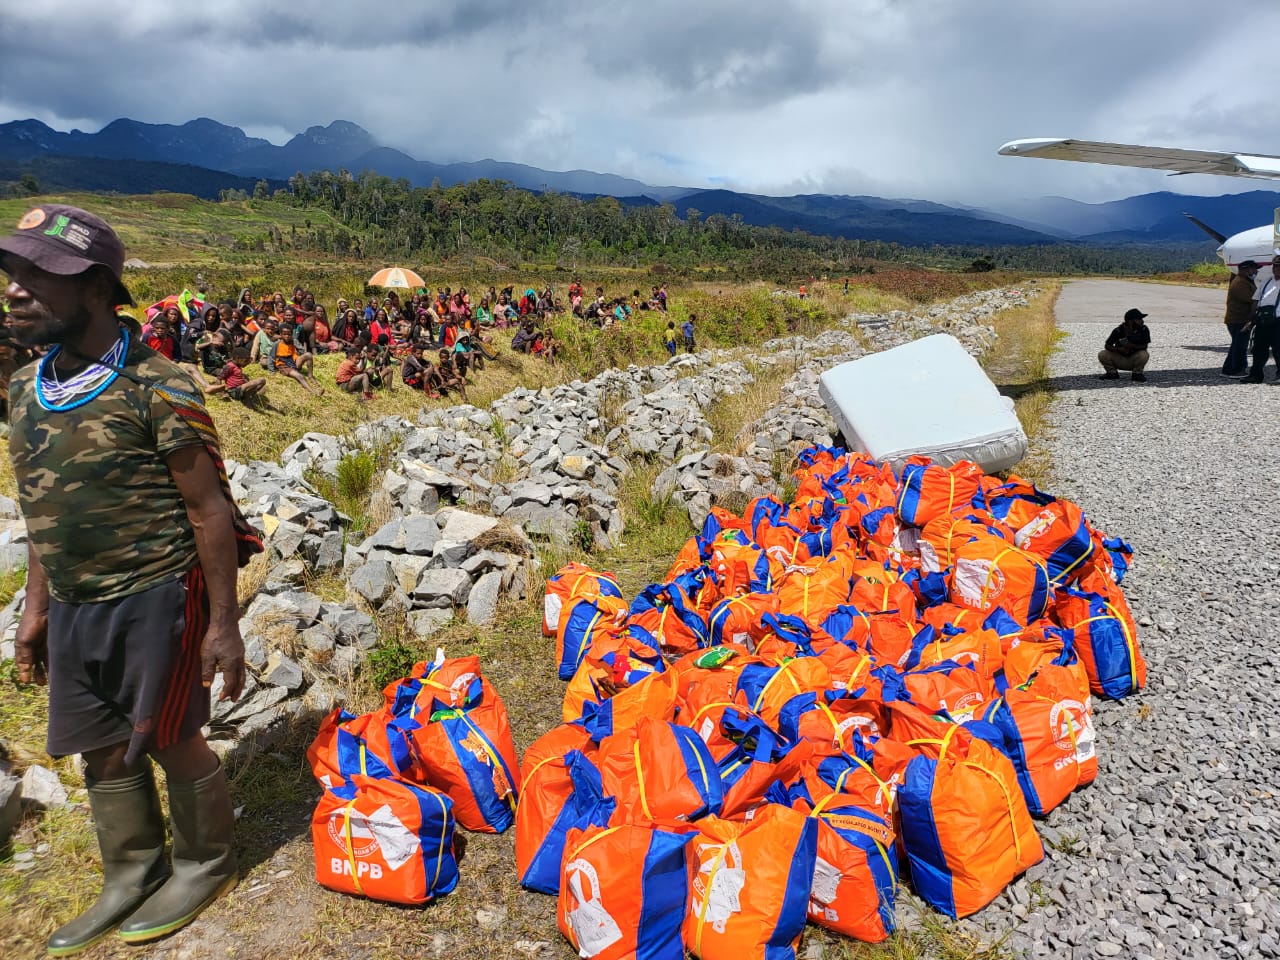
(1173, 160)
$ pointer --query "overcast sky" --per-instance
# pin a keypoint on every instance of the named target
(899, 98)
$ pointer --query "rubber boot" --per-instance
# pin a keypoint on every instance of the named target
(204, 862)
(130, 827)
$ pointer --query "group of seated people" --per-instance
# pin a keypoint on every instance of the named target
(435, 342)
(605, 312)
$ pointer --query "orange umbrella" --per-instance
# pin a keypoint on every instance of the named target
(400, 278)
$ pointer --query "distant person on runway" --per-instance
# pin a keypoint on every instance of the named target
(1126, 348)
(1266, 328)
(1239, 318)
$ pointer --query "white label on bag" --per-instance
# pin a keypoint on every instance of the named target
(724, 898)
(826, 882)
(551, 612)
(592, 925)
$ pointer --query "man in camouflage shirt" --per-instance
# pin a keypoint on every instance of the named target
(130, 607)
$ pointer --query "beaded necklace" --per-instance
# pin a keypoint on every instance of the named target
(59, 396)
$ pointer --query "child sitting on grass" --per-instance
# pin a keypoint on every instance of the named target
(232, 380)
(412, 370)
(285, 359)
(351, 376)
(449, 376)
(381, 362)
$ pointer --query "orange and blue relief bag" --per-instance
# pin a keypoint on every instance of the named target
(622, 659)
(1058, 535)
(928, 491)
(940, 538)
(665, 615)
(738, 562)
(1048, 731)
(707, 677)
(949, 687)
(990, 572)
(657, 771)
(385, 840)
(622, 891)
(966, 830)
(370, 744)
(462, 737)
(557, 795)
(582, 621)
(979, 648)
(855, 877)
(1104, 636)
(812, 589)
(739, 619)
(570, 582)
(766, 689)
(760, 759)
(749, 884)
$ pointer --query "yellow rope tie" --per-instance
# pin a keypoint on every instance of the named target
(1017, 841)
(351, 852)
(444, 829)
(536, 767)
(644, 798)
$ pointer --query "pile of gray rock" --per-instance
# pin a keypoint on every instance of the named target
(669, 422)
(300, 651)
(294, 519)
(425, 567)
(700, 480)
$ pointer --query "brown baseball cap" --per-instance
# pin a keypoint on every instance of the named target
(67, 241)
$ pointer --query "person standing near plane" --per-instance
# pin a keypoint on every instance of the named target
(1266, 327)
(1239, 318)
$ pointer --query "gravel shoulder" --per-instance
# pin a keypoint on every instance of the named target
(1178, 848)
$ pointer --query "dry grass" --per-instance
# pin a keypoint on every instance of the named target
(1019, 365)
(730, 414)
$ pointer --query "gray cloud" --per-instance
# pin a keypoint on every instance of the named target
(894, 97)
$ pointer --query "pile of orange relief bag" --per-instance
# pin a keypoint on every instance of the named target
(883, 681)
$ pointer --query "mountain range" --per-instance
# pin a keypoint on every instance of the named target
(204, 157)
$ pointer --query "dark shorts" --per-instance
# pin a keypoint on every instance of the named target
(128, 670)
(236, 393)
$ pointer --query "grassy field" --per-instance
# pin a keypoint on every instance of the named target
(278, 910)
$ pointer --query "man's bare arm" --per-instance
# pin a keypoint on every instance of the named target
(222, 652)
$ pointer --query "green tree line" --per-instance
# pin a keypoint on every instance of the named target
(389, 218)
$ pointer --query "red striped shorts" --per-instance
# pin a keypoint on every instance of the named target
(128, 670)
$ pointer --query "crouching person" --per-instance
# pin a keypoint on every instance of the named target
(131, 585)
(1126, 348)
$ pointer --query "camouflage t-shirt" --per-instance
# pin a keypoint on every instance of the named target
(103, 513)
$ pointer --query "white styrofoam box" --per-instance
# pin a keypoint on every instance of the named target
(927, 397)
